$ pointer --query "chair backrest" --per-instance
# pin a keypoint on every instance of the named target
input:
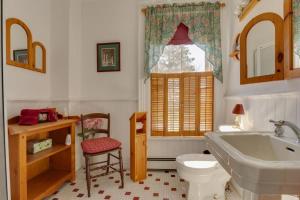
(87, 132)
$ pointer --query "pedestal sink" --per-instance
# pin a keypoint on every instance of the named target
(258, 162)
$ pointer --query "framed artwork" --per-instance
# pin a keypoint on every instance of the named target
(108, 57)
(21, 56)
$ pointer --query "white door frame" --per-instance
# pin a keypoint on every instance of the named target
(3, 169)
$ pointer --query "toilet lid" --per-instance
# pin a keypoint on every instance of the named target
(198, 161)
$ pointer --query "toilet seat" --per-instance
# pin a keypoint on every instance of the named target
(200, 162)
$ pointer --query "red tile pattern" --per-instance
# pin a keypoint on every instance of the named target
(155, 194)
(164, 185)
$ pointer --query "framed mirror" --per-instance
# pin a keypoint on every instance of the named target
(21, 51)
(39, 57)
(292, 38)
(261, 51)
(18, 44)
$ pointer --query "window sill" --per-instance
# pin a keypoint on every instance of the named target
(168, 138)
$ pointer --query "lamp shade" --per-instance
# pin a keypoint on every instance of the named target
(238, 109)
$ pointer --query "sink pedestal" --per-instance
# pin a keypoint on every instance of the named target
(251, 196)
(204, 191)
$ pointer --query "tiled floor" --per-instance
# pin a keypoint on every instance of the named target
(159, 185)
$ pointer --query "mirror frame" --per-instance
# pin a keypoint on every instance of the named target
(9, 23)
(279, 44)
(289, 70)
(34, 46)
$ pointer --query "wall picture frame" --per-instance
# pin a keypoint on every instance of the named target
(21, 56)
(108, 57)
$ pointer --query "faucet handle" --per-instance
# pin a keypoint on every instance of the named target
(277, 123)
(279, 130)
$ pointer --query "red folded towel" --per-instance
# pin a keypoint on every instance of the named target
(34, 116)
(28, 120)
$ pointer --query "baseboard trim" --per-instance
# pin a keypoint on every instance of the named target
(161, 159)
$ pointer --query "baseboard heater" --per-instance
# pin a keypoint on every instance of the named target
(157, 164)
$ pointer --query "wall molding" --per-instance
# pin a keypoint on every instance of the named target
(71, 100)
(104, 100)
(36, 100)
(253, 96)
(158, 2)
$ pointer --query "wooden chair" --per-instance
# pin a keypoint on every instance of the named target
(92, 146)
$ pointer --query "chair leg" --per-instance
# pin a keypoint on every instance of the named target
(88, 176)
(121, 168)
(108, 163)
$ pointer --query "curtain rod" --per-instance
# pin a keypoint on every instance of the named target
(221, 5)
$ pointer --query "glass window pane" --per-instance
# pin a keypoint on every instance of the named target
(181, 58)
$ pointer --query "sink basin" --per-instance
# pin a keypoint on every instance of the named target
(258, 162)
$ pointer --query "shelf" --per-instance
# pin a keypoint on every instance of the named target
(46, 183)
(16, 129)
(32, 158)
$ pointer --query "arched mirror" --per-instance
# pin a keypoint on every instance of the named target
(39, 57)
(18, 44)
(262, 49)
(292, 38)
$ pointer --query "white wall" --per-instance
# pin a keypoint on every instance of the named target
(261, 108)
(24, 84)
(59, 50)
(113, 92)
(48, 22)
(100, 26)
(75, 49)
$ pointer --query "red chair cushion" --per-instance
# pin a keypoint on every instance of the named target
(99, 145)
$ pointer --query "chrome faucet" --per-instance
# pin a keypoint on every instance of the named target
(279, 128)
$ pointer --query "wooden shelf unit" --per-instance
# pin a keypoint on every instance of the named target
(138, 147)
(37, 176)
(43, 185)
(31, 159)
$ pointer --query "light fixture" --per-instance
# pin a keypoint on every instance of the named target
(239, 8)
(238, 110)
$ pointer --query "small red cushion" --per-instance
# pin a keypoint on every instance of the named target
(99, 145)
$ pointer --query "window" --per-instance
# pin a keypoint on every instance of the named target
(182, 88)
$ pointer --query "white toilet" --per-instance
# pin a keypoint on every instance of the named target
(207, 179)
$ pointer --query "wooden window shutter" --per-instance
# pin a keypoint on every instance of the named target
(173, 105)
(206, 102)
(157, 104)
(189, 92)
(182, 104)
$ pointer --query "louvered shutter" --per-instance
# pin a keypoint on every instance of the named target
(173, 105)
(182, 104)
(157, 104)
(189, 103)
(206, 99)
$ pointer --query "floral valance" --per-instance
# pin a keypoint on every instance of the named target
(203, 21)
